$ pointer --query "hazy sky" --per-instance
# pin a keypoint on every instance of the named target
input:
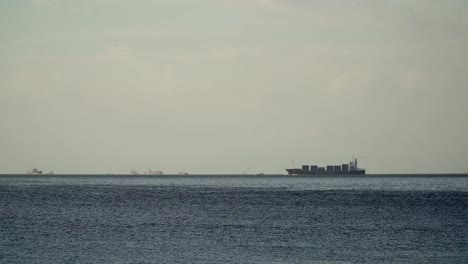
(232, 86)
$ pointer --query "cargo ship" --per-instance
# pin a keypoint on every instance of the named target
(350, 168)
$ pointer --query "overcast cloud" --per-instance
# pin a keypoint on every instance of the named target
(233, 86)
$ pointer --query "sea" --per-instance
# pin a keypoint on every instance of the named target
(233, 219)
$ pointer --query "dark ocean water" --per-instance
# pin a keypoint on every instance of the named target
(233, 220)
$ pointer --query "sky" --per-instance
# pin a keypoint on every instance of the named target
(233, 86)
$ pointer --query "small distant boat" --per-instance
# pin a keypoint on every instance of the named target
(152, 172)
(35, 171)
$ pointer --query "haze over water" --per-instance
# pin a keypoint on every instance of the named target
(231, 86)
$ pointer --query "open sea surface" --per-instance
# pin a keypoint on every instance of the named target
(245, 219)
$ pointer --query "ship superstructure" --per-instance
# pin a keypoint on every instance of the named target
(350, 168)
